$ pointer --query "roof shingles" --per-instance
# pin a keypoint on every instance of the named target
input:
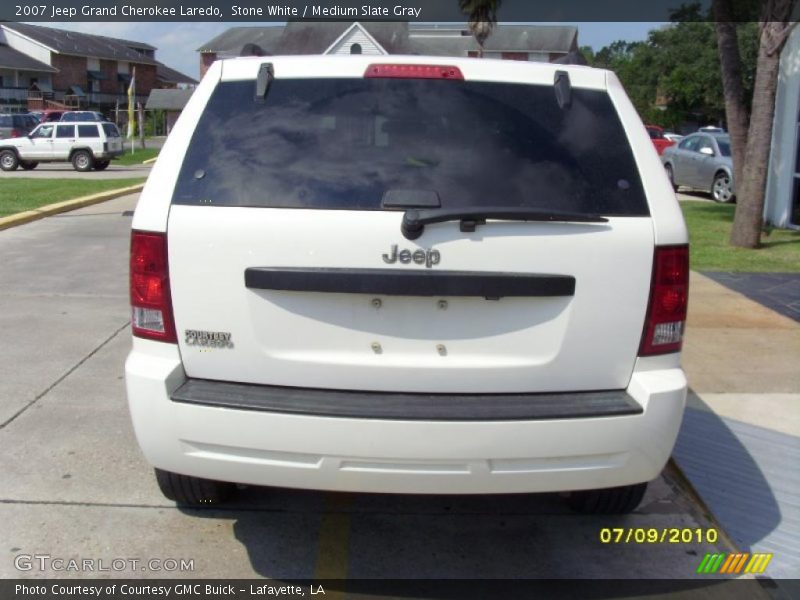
(81, 44)
(13, 59)
(303, 37)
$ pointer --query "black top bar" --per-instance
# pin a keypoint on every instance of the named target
(397, 282)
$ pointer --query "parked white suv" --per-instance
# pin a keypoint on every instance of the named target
(382, 274)
(87, 145)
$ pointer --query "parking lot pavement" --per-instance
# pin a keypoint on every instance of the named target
(76, 486)
(742, 425)
(65, 171)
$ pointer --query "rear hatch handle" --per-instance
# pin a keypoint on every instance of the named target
(414, 221)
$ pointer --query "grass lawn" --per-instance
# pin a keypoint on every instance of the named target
(137, 158)
(18, 195)
(709, 232)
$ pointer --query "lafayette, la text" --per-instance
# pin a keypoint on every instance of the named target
(184, 590)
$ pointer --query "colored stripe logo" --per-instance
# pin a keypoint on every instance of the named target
(741, 562)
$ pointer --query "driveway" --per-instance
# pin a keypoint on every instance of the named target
(76, 486)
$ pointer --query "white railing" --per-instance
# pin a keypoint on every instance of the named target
(15, 94)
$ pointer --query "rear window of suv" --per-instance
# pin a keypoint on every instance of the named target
(343, 143)
(110, 130)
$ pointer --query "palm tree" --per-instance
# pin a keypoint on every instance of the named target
(482, 16)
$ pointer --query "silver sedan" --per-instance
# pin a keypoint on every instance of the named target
(702, 161)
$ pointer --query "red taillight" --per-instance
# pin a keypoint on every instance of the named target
(414, 72)
(669, 295)
(151, 304)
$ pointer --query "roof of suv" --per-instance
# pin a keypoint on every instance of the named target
(66, 123)
(476, 69)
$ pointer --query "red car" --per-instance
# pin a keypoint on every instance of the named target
(657, 135)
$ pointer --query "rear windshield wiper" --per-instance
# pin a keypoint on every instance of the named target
(414, 221)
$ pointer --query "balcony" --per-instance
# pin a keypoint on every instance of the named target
(12, 97)
(18, 99)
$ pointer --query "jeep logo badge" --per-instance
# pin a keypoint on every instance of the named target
(428, 257)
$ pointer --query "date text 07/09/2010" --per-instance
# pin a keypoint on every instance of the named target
(54, 11)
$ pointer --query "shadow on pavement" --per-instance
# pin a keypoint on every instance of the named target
(726, 476)
(417, 542)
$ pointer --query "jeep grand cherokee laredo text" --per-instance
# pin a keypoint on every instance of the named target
(389, 275)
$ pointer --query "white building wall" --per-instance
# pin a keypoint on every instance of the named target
(356, 36)
(783, 163)
(24, 45)
(532, 56)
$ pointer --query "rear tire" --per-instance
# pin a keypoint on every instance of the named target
(610, 501)
(722, 188)
(193, 491)
(671, 177)
(27, 165)
(101, 165)
(82, 161)
(8, 160)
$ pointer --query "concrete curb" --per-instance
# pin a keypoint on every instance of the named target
(150, 161)
(67, 205)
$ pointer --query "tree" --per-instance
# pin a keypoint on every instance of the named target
(482, 15)
(674, 76)
(737, 112)
(748, 219)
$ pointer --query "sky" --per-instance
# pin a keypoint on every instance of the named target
(177, 43)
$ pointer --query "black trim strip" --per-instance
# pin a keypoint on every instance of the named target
(416, 282)
(403, 406)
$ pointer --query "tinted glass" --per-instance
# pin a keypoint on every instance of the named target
(724, 146)
(88, 131)
(705, 142)
(110, 129)
(343, 143)
(44, 131)
(5, 121)
(65, 131)
(79, 116)
(689, 143)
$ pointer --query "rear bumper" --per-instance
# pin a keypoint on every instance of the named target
(421, 455)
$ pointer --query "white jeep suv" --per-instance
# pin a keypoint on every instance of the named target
(87, 145)
(410, 275)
